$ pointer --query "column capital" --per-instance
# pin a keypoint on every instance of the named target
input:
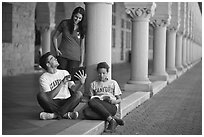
(182, 28)
(52, 26)
(179, 33)
(160, 22)
(98, 3)
(138, 12)
(172, 28)
(46, 27)
(175, 17)
(162, 15)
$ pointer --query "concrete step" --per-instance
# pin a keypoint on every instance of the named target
(171, 78)
(157, 86)
(95, 127)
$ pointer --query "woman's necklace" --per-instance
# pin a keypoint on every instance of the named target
(78, 33)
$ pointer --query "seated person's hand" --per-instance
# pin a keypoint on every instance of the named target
(106, 98)
(66, 79)
(81, 76)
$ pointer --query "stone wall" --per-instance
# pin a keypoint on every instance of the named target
(18, 54)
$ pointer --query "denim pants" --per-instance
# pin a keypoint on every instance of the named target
(67, 64)
(59, 106)
(99, 110)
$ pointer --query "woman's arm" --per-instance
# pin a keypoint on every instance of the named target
(82, 51)
(54, 40)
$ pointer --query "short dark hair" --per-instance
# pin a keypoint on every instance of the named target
(103, 65)
(43, 60)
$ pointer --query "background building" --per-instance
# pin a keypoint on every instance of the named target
(27, 28)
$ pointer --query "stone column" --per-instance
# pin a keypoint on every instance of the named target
(179, 52)
(188, 34)
(139, 52)
(184, 42)
(170, 52)
(98, 38)
(45, 39)
(160, 21)
(190, 51)
(171, 38)
(179, 39)
(187, 50)
(191, 38)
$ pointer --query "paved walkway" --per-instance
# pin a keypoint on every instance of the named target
(175, 110)
(20, 110)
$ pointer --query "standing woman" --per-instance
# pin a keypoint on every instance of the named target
(70, 52)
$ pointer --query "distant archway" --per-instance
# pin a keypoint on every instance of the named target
(42, 19)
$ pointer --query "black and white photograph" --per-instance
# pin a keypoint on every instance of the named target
(101, 67)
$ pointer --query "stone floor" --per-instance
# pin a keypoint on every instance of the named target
(20, 110)
(175, 110)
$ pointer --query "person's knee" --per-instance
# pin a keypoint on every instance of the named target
(78, 94)
(92, 102)
(87, 113)
(41, 96)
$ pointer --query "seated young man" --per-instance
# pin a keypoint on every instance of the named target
(58, 95)
(105, 96)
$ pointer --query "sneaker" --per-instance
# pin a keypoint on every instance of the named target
(119, 121)
(112, 125)
(72, 115)
(47, 116)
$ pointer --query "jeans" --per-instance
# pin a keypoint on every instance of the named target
(59, 106)
(99, 110)
(67, 64)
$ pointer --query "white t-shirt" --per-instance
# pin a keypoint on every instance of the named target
(50, 81)
(109, 87)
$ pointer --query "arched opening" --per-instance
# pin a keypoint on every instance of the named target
(42, 19)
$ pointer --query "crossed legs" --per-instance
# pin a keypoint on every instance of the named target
(59, 106)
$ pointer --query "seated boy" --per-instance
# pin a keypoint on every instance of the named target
(105, 96)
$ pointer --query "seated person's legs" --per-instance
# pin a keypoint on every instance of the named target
(57, 106)
(70, 104)
(90, 114)
(103, 108)
(48, 105)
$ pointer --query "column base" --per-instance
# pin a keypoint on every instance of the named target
(158, 77)
(184, 70)
(185, 65)
(171, 78)
(138, 86)
(172, 72)
(179, 68)
(179, 72)
(189, 66)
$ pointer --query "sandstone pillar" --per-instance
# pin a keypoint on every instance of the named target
(139, 52)
(178, 58)
(98, 37)
(160, 21)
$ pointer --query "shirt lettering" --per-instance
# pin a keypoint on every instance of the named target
(55, 83)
